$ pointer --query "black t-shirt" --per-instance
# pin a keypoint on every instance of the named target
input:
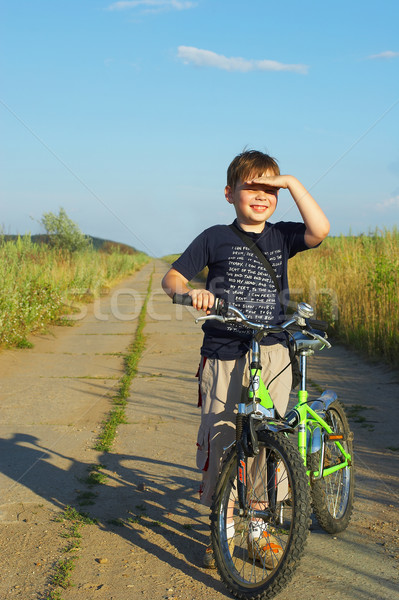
(238, 276)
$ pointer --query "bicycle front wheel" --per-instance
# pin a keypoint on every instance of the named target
(332, 496)
(278, 509)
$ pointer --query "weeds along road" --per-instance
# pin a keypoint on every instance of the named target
(149, 532)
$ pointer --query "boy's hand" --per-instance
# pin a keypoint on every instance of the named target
(202, 299)
(274, 181)
(316, 222)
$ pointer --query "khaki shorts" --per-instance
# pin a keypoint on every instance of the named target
(220, 383)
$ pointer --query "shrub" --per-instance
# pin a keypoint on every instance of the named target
(63, 233)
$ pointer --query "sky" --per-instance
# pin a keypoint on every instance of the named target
(127, 114)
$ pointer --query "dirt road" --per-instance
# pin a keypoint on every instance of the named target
(150, 532)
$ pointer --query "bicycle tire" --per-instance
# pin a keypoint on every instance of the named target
(333, 496)
(248, 578)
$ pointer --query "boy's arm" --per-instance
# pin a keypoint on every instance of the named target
(316, 222)
(175, 283)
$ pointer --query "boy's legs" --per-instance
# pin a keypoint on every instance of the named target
(220, 391)
(220, 385)
(221, 382)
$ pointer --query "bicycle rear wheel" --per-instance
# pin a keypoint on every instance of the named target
(332, 496)
(277, 471)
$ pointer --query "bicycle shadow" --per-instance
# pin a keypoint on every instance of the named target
(157, 505)
(149, 503)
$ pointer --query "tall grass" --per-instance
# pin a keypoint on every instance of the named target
(353, 282)
(37, 283)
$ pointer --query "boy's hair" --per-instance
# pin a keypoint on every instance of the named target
(249, 165)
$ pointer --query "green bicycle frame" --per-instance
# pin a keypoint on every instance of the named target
(257, 391)
(308, 419)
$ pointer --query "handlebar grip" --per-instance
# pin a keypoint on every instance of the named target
(220, 308)
(184, 299)
(316, 324)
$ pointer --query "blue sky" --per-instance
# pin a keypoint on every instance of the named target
(127, 114)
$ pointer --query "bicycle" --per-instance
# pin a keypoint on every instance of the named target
(269, 482)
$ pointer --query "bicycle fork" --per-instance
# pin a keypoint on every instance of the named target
(243, 451)
(256, 399)
(242, 462)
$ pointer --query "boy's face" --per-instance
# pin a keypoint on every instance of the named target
(254, 202)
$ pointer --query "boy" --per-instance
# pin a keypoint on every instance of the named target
(237, 275)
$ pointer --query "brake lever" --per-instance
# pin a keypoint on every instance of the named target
(316, 336)
(220, 318)
(211, 317)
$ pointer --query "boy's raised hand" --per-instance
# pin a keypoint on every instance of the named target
(202, 299)
(316, 222)
(274, 181)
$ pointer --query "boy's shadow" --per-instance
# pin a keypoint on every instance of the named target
(149, 494)
(26, 462)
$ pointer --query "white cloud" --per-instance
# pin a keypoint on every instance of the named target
(384, 55)
(152, 4)
(388, 204)
(206, 58)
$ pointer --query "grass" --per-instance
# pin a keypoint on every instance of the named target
(54, 595)
(170, 258)
(353, 283)
(96, 477)
(201, 277)
(116, 522)
(73, 521)
(39, 285)
(86, 498)
(72, 518)
(155, 524)
(354, 413)
(109, 427)
(142, 520)
(134, 520)
(117, 415)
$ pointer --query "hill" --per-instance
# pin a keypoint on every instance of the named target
(99, 244)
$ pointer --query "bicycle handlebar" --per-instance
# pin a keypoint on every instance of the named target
(222, 308)
(183, 299)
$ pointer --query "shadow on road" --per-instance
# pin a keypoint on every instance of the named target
(152, 504)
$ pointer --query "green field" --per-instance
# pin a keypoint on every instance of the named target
(39, 284)
(353, 282)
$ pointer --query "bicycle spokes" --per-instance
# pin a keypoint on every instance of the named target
(258, 549)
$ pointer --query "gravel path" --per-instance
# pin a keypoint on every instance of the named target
(150, 531)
